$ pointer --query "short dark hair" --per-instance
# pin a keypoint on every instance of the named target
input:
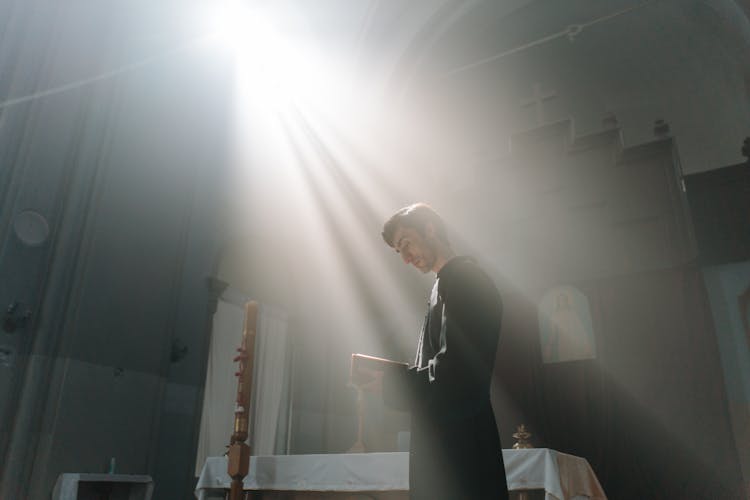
(415, 216)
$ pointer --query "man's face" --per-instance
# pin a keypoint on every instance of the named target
(414, 248)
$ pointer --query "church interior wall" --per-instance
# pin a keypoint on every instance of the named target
(727, 285)
(672, 60)
(719, 202)
(107, 373)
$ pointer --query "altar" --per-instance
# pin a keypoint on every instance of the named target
(385, 476)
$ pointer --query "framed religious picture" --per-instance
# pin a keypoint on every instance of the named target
(565, 329)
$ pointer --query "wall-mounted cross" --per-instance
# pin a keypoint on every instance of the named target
(537, 100)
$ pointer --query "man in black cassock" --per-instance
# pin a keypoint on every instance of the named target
(455, 448)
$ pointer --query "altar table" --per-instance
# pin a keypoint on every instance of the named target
(386, 475)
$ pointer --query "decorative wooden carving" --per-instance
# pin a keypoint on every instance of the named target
(239, 451)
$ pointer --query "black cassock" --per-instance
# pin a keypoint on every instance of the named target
(455, 448)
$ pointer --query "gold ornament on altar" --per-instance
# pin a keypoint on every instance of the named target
(522, 436)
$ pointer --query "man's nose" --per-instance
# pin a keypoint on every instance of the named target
(406, 257)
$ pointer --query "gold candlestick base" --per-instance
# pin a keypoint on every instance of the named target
(522, 436)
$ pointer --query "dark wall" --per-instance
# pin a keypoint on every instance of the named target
(562, 208)
(127, 169)
(720, 206)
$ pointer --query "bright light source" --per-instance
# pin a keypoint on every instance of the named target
(232, 23)
(276, 63)
(245, 30)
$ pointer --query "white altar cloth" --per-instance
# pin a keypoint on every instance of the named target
(561, 476)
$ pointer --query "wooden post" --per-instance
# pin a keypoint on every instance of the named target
(239, 451)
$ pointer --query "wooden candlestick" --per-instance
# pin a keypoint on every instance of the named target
(239, 451)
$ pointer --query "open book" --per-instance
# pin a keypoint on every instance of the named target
(364, 367)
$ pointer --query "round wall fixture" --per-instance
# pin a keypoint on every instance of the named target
(31, 228)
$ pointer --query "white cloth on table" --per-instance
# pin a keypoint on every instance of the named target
(332, 472)
(561, 476)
